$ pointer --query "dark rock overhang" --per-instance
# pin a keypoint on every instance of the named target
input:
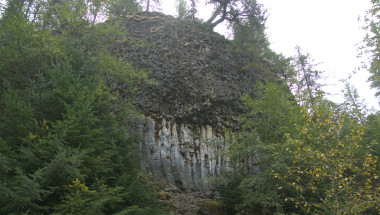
(199, 77)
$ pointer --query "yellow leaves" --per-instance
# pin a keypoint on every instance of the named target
(299, 188)
(81, 186)
(32, 137)
(324, 160)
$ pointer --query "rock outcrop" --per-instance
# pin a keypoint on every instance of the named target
(181, 155)
(199, 80)
(199, 76)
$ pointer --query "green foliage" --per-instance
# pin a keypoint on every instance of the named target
(81, 200)
(182, 9)
(67, 138)
(319, 158)
(305, 82)
(228, 187)
(120, 8)
(250, 35)
(24, 51)
(253, 153)
(352, 104)
(236, 12)
(272, 113)
(333, 169)
(21, 194)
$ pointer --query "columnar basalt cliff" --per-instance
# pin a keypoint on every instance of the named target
(199, 80)
(181, 155)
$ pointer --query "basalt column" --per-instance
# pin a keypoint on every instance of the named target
(181, 156)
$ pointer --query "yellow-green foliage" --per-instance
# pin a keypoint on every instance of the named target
(163, 195)
(333, 167)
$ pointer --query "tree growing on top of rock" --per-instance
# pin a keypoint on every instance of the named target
(182, 9)
(235, 12)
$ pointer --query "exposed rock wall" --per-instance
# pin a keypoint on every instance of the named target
(200, 79)
(181, 155)
(199, 76)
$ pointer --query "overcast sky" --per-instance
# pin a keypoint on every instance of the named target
(328, 29)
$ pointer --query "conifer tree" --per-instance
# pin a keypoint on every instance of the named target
(372, 44)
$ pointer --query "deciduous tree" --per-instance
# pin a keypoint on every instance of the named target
(333, 169)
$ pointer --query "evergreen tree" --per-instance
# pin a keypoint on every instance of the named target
(371, 43)
(235, 12)
(307, 86)
(251, 186)
(66, 138)
(182, 9)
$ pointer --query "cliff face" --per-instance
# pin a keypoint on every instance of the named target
(181, 155)
(199, 82)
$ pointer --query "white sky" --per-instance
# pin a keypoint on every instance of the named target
(328, 29)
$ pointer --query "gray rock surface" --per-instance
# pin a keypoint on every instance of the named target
(181, 155)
